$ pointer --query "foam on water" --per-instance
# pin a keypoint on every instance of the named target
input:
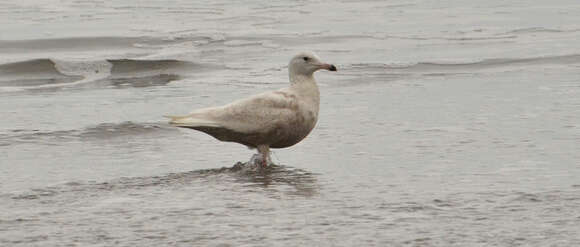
(77, 72)
(90, 70)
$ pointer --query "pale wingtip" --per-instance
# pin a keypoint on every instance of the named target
(172, 118)
(188, 121)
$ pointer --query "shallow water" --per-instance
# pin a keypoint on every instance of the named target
(448, 123)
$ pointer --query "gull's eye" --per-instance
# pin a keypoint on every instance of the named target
(305, 59)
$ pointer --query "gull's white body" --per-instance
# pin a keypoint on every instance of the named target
(276, 119)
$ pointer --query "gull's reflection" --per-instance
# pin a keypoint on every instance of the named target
(301, 182)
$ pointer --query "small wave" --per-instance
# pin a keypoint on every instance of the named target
(56, 73)
(134, 67)
(51, 73)
(14, 137)
(429, 67)
(76, 43)
(484, 38)
(539, 30)
(148, 81)
(32, 73)
(115, 130)
(35, 66)
(151, 72)
(238, 43)
(105, 131)
(498, 37)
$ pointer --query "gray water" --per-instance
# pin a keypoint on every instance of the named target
(448, 123)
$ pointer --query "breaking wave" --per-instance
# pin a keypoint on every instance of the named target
(54, 73)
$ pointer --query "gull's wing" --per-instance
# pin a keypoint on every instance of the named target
(259, 113)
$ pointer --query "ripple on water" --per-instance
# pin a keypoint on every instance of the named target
(304, 183)
(104, 131)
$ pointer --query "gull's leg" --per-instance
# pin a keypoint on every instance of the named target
(264, 150)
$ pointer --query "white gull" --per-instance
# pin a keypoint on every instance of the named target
(276, 119)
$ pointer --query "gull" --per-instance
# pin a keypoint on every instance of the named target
(276, 119)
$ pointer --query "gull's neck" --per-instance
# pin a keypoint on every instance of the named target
(297, 79)
(305, 85)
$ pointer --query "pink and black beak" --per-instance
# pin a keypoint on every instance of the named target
(326, 66)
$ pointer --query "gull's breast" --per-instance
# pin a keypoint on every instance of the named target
(295, 130)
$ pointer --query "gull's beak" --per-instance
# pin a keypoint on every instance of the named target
(327, 67)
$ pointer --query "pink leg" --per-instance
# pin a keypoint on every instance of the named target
(265, 152)
(265, 163)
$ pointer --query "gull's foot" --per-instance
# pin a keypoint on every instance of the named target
(258, 161)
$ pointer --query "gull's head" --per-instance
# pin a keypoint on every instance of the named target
(306, 63)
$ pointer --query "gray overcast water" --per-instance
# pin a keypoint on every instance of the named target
(448, 123)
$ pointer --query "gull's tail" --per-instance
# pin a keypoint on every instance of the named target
(191, 121)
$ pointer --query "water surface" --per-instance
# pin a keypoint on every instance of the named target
(448, 124)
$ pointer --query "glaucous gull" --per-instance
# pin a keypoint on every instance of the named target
(276, 119)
